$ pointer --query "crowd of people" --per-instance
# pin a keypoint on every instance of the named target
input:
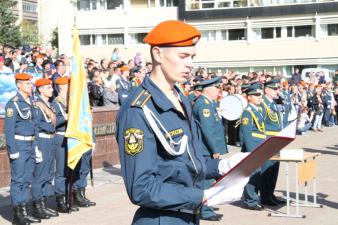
(114, 82)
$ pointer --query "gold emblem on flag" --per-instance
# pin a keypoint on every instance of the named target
(206, 112)
(133, 141)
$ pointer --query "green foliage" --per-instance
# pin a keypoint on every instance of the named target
(55, 39)
(29, 33)
(9, 32)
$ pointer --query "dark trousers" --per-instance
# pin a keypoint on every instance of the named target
(44, 171)
(269, 175)
(61, 169)
(82, 170)
(22, 170)
(233, 132)
(250, 193)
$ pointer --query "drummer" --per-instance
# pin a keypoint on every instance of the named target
(205, 112)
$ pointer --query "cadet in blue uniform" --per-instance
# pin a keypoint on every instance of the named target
(19, 132)
(287, 103)
(211, 124)
(45, 120)
(79, 187)
(252, 134)
(158, 138)
(205, 112)
(60, 105)
(273, 125)
(123, 85)
(328, 106)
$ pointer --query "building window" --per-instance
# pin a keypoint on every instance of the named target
(84, 39)
(289, 32)
(113, 4)
(332, 29)
(303, 31)
(29, 7)
(168, 3)
(83, 5)
(115, 39)
(236, 34)
(137, 38)
(278, 32)
(208, 35)
(267, 33)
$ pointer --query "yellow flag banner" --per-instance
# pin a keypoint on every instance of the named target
(79, 128)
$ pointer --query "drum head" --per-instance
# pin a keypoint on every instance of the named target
(232, 106)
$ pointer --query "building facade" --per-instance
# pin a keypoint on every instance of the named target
(240, 35)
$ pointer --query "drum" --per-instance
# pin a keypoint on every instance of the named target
(232, 106)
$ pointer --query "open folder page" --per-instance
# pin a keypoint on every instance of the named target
(230, 186)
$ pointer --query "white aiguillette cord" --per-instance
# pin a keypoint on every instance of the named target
(169, 148)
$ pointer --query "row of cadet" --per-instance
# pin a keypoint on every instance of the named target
(37, 149)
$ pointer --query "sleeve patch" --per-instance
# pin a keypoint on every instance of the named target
(9, 112)
(245, 121)
(206, 112)
(133, 141)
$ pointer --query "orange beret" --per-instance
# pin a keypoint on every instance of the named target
(62, 80)
(318, 86)
(22, 76)
(124, 68)
(39, 56)
(302, 83)
(42, 81)
(285, 83)
(173, 33)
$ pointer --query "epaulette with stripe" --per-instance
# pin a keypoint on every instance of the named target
(15, 99)
(141, 99)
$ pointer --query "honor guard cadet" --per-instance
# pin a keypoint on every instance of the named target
(45, 120)
(20, 139)
(287, 103)
(137, 78)
(123, 85)
(252, 134)
(213, 137)
(211, 124)
(60, 104)
(158, 138)
(273, 125)
(81, 172)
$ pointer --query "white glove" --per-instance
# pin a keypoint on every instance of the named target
(38, 155)
(226, 164)
(93, 148)
(66, 116)
(14, 156)
(223, 195)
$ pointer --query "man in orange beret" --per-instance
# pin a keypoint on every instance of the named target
(20, 139)
(45, 120)
(159, 146)
(123, 85)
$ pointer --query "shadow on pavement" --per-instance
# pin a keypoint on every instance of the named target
(109, 168)
(324, 152)
(321, 199)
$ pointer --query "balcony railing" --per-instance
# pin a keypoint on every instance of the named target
(223, 4)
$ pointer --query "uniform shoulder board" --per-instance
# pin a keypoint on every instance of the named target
(15, 99)
(141, 99)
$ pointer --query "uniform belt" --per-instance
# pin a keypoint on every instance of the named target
(44, 135)
(60, 132)
(257, 135)
(193, 212)
(272, 133)
(24, 138)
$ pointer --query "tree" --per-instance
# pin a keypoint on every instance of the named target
(9, 31)
(29, 33)
(55, 39)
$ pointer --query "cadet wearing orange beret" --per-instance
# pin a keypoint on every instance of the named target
(22, 76)
(42, 82)
(150, 160)
(173, 33)
(62, 80)
(124, 68)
